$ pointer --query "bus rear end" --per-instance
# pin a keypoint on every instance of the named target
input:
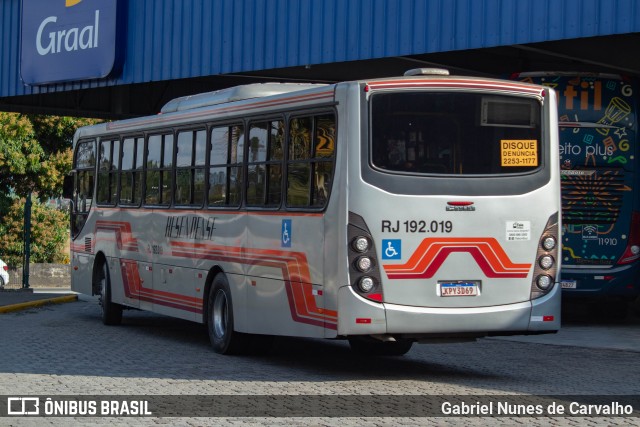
(453, 211)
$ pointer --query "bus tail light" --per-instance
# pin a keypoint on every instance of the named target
(546, 267)
(366, 284)
(364, 269)
(632, 252)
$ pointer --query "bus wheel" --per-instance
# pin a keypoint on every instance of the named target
(372, 346)
(111, 312)
(220, 322)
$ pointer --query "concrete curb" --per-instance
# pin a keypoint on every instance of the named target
(38, 303)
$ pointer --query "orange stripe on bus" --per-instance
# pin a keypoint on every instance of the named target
(293, 265)
(447, 83)
(432, 252)
(124, 236)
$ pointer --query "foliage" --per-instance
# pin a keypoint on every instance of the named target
(35, 156)
(20, 154)
(54, 133)
(49, 233)
(35, 153)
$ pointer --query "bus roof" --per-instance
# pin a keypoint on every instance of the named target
(236, 93)
(253, 97)
(226, 101)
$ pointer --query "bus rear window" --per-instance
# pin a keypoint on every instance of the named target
(454, 133)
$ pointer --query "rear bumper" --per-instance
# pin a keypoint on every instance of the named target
(622, 281)
(360, 317)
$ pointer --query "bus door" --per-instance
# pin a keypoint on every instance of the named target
(82, 244)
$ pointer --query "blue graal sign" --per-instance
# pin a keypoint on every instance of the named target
(65, 40)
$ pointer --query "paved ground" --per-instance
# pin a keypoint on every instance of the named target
(65, 350)
(19, 299)
(13, 297)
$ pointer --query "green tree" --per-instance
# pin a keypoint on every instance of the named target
(35, 156)
(35, 153)
(49, 233)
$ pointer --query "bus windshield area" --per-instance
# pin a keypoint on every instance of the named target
(454, 133)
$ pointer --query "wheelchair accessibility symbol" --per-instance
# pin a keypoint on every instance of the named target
(391, 249)
(285, 236)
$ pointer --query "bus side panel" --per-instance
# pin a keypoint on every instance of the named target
(335, 264)
(117, 276)
(174, 291)
(336, 218)
(81, 278)
(285, 274)
(353, 309)
(238, 286)
(145, 274)
(128, 233)
(187, 246)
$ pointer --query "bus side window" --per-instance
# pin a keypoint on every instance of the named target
(264, 165)
(190, 171)
(159, 177)
(85, 190)
(107, 189)
(184, 159)
(324, 152)
(225, 166)
(131, 173)
(298, 177)
(311, 160)
(236, 160)
(85, 163)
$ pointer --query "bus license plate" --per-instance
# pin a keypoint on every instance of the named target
(458, 289)
(569, 284)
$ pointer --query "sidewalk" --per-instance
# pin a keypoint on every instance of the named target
(614, 336)
(21, 299)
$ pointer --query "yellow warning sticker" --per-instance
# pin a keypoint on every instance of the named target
(519, 152)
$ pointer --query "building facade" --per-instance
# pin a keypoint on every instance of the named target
(122, 58)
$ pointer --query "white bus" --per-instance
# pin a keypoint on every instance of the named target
(388, 211)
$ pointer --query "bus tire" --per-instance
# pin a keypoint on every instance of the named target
(111, 312)
(224, 339)
(372, 346)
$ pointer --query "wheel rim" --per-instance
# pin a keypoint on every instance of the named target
(220, 316)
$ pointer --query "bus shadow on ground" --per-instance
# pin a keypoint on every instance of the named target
(298, 359)
(600, 312)
(74, 342)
